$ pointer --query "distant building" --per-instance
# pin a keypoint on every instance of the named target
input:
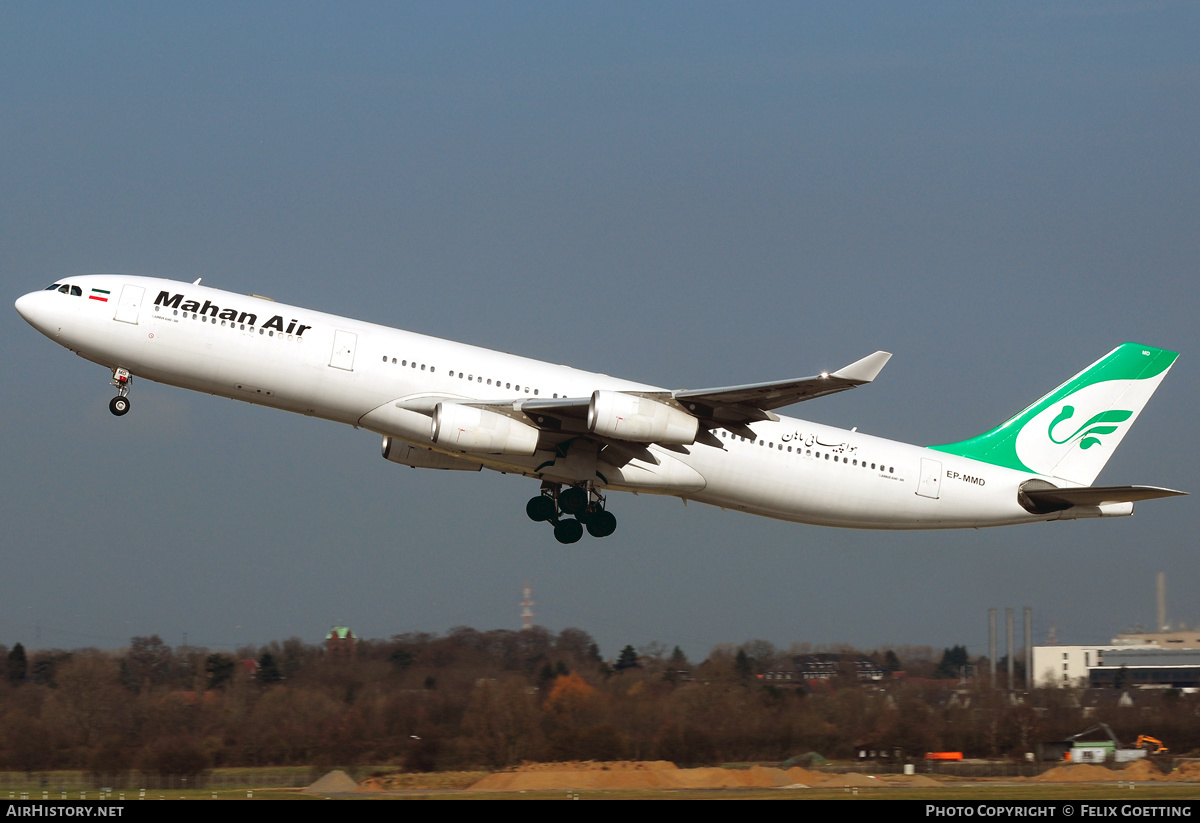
(1116, 666)
(340, 643)
(1142, 668)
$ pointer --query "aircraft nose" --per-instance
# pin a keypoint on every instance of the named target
(33, 309)
(25, 305)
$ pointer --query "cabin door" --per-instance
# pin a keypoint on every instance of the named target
(343, 350)
(931, 478)
(130, 304)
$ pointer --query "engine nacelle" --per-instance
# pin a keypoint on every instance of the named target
(456, 426)
(406, 454)
(627, 417)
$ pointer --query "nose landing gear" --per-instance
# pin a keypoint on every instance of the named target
(582, 506)
(119, 405)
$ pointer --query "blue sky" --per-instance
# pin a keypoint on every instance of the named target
(687, 194)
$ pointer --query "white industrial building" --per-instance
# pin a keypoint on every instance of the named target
(1118, 665)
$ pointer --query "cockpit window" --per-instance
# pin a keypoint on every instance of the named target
(66, 288)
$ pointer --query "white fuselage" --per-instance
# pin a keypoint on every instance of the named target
(371, 376)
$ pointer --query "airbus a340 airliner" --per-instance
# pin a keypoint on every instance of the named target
(444, 405)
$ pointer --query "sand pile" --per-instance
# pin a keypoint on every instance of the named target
(635, 775)
(336, 782)
(1186, 773)
(1139, 770)
(662, 775)
(1080, 773)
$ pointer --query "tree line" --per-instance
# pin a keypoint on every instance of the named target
(470, 698)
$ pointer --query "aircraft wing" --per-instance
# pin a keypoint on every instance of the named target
(729, 406)
(754, 401)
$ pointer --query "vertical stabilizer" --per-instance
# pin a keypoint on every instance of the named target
(1072, 431)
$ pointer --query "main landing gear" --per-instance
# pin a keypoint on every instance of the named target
(119, 405)
(582, 506)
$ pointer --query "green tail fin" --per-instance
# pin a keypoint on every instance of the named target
(1072, 431)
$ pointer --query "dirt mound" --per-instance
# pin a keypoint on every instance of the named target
(1186, 773)
(1139, 770)
(664, 775)
(1079, 773)
(802, 776)
(641, 775)
(336, 782)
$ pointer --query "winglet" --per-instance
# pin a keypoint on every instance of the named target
(865, 370)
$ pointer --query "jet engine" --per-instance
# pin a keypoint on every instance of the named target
(456, 426)
(628, 417)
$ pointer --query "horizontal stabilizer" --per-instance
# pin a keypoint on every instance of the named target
(1048, 500)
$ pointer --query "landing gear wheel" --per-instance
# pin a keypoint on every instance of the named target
(572, 500)
(540, 508)
(602, 524)
(118, 405)
(568, 531)
(589, 513)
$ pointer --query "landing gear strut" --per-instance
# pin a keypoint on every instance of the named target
(119, 405)
(570, 510)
